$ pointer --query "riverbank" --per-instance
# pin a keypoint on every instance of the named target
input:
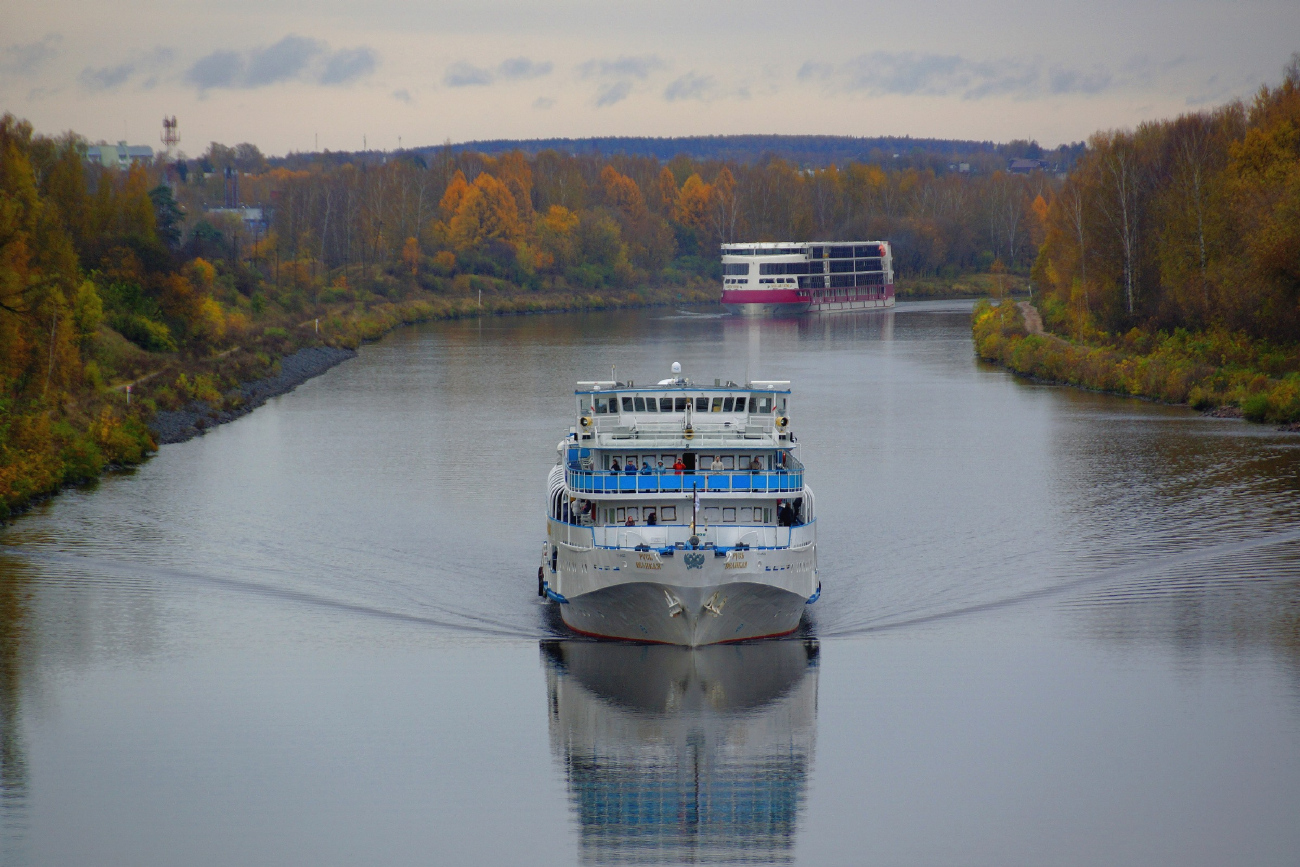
(1221, 373)
(974, 286)
(176, 426)
(157, 398)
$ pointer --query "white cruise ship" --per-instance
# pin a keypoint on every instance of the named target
(818, 277)
(678, 513)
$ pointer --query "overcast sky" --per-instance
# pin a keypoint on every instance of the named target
(286, 74)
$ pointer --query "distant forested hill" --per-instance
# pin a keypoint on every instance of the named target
(806, 151)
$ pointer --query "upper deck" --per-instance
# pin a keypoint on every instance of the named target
(680, 414)
(818, 271)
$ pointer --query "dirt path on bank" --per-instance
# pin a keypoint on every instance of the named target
(1029, 314)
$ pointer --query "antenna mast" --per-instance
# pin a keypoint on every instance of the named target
(170, 137)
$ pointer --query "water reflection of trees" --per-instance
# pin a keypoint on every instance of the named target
(684, 755)
(13, 761)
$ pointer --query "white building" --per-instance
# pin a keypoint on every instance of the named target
(118, 156)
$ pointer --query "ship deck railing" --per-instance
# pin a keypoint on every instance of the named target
(757, 482)
(702, 433)
(666, 538)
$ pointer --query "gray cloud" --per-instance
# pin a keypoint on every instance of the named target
(523, 68)
(293, 58)
(285, 60)
(612, 93)
(462, 74)
(921, 74)
(107, 77)
(402, 95)
(1076, 81)
(689, 86)
(218, 69)
(615, 77)
(111, 77)
(622, 67)
(543, 102)
(348, 65)
(27, 58)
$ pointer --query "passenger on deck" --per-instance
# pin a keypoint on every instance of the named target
(645, 468)
(631, 522)
(630, 469)
(716, 466)
(678, 466)
(651, 520)
(659, 468)
(784, 514)
(756, 466)
(613, 468)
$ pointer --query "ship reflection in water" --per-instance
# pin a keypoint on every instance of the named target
(684, 754)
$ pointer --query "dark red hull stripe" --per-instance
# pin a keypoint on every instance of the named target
(792, 296)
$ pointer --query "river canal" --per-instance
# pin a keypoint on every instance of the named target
(1056, 627)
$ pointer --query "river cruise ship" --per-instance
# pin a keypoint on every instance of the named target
(678, 513)
(819, 277)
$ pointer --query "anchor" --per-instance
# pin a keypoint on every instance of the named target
(674, 604)
(714, 605)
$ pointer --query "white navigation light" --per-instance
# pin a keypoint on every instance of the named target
(677, 367)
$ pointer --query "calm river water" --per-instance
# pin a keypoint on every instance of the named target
(1056, 627)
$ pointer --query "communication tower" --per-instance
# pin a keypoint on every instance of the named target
(170, 137)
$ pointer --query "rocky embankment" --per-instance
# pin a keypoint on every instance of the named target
(175, 426)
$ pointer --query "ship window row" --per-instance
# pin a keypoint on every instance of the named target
(732, 269)
(668, 514)
(849, 265)
(770, 251)
(771, 268)
(837, 251)
(700, 463)
(859, 251)
(836, 267)
(842, 280)
(730, 403)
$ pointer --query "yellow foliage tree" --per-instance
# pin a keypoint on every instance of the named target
(455, 193)
(693, 202)
(622, 193)
(556, 233)
(411, 255)
(487, 212)
(665, 191)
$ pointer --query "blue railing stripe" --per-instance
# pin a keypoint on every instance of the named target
(593, 482)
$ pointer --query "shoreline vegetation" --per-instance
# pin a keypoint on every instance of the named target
(1217, 373)
(1170, 265)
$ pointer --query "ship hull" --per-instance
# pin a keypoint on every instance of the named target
(852, 304)
(691, 597)
(692, 616)
(791, 302)
(764, 302)
(760, 309)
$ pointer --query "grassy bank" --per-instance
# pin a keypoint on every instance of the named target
(1208, 370)
(973, 286)
(77, 438)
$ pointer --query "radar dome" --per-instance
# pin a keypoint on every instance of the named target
(677, 367)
